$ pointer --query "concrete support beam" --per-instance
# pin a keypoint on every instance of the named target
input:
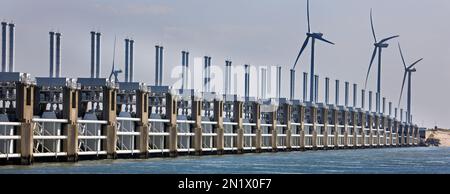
(397, 127)
(314, 123)
(287, 119)
(24, 113)
(302, 126)
(417, 135)
(218, 117)
(171, 126)
(336, 128)
(273, 131)
(390, 124)
(70, 129)
(408, 132)
(197, 126)
(402, 134)
(363, 126)
(238, 108)
(257, 128)
(384, 126)
(377, 127)
(346, 116)
(355, 114)
(142, 126)
(371, 121)
(109, 114)
(325, 126)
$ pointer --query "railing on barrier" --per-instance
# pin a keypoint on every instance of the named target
(394, 138)
(185, 136)
(308, 136)
(90, 137)
(388, 137)
(249, 137)
(320, 141)
(266, 137)
(126, 135)
(359, 139)
(350, 137)
(341, 137)
(230, 136)
(375, 137)
(366, 137)
(330, 135)
(295, 136)
(157, 136)
(47, 137)
(281, 136)
(208, 137)
(8, 139)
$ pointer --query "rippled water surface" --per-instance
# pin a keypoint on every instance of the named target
(392, 160)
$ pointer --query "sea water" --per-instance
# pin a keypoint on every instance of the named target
(383, 160)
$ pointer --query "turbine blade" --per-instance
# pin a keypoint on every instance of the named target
(371, 24)
(327, 41)
(386, 39)
(114, 56)
(301, 51)
(415, 63)
(401, 91)
(370, 66)
(307, 15)
(401, 54)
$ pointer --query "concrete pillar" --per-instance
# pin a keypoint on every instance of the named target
(142, 126)
(287, 119)
(273, 130)
(109, 114)
(314, 125)
(417, 135)
(24, 113)
(218, 128)
(336, 123)
(376, 120)
(397, 126)
(302, 126)
(239, 128)
(390, 125)
(346, 128)
(171, 126)
(197, 126)
(370, 128)
(257, 128)
(383, 126)
(325, 126)
(355, 124)
(363, 126)
(408, 131)
(402, 135)
(70, 129)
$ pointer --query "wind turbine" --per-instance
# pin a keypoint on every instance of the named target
(313, 36)
(378, 47)
(408, 71)
(114, 72)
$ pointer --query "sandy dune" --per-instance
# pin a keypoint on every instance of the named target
(442, 134)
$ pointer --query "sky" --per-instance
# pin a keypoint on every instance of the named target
(255, 32)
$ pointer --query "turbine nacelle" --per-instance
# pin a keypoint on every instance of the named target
(381, 45)
(412, 70)
(314, 35)
(309, 34)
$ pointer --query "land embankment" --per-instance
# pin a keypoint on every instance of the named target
(440, 137)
